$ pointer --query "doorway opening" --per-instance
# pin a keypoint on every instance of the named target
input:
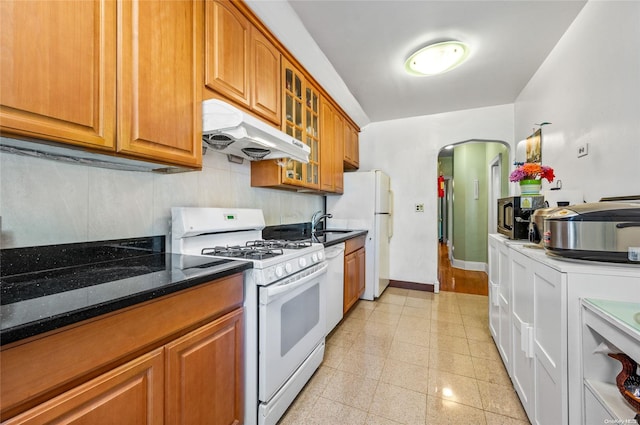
(473, 174)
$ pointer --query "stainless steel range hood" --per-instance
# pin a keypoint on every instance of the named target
(229, 130)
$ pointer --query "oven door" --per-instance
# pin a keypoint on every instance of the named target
(292, 322)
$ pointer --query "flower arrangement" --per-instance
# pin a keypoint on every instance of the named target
(531, 171)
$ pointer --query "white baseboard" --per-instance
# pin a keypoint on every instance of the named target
(470, 265)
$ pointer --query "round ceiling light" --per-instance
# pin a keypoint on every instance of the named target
(437, 58)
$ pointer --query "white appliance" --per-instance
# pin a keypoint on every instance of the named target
(285, 302)
(335, 284)
(230, 130)
(367, 203)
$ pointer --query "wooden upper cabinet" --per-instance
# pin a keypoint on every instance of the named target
(159, 77)
(338, 153)
(60, 62)
(351, 148)
(301, 121)
(227, 51)
(331, 152)
(327, 153)
(58, 66)
(241, 63)
(266, 93)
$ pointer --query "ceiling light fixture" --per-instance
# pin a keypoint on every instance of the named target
(437, 58)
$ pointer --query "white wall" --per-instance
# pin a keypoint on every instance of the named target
(45, 202)
(407, 150)
(589, 88)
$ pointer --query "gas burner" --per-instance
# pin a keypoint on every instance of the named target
(298, 244)
(248, 252)
(281, 243)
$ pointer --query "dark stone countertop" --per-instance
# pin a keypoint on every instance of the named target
(302, 231)
(335, 236)
(46, 288)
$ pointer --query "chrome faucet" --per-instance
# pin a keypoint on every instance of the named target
(317, 218)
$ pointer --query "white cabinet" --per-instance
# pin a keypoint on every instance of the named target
(607, 326)
(539, 341)
(494, 282)
(500, 298)
(534, 317)
(549, 345)
(619, 284)
(522, 330)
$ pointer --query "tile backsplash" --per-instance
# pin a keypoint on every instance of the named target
(45, 202)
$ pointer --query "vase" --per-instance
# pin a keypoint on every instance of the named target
(628, 381)
(530, 187)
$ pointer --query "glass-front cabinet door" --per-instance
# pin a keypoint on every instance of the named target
(301, 112)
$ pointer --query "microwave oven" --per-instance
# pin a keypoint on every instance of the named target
(514, 213)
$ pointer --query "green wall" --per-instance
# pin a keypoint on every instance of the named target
(493, 150)
(470, 216)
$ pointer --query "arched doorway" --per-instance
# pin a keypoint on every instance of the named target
(475, 174)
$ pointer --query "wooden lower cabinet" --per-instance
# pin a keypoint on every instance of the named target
(361, 271)
(129, 394)
(354, 271)
(205, 374)
(175, 360)
(203, 385)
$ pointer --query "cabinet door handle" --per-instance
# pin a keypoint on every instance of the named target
(526, 340)
(494, 296)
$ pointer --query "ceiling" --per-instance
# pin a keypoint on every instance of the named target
(368, 41)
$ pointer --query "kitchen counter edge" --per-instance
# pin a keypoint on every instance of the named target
(335, 238)
(46, 324)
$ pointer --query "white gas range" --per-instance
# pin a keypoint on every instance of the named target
(285, 301)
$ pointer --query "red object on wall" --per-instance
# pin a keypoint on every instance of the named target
(440, 187)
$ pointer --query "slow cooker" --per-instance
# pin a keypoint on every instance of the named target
(599, 231)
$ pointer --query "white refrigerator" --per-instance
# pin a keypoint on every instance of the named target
(367, 203)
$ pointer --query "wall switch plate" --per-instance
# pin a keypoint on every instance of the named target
(419, 208)
(583, 150)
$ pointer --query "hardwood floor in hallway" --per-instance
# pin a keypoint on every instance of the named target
(458, 280)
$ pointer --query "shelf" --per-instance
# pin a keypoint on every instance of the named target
(610, 320)
(610, 399)
(607, 325)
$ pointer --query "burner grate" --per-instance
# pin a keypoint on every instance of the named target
(281, 243)
(247, 252)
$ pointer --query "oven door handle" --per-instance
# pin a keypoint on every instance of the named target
(273, 291)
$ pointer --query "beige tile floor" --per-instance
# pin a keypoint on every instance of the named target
(410, 357)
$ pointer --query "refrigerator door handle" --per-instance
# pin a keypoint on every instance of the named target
(390, 213)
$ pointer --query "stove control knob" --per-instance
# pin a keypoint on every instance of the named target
(321, 255)
(314, 257)
(302, 262)
(279, 271)
(288, 268)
